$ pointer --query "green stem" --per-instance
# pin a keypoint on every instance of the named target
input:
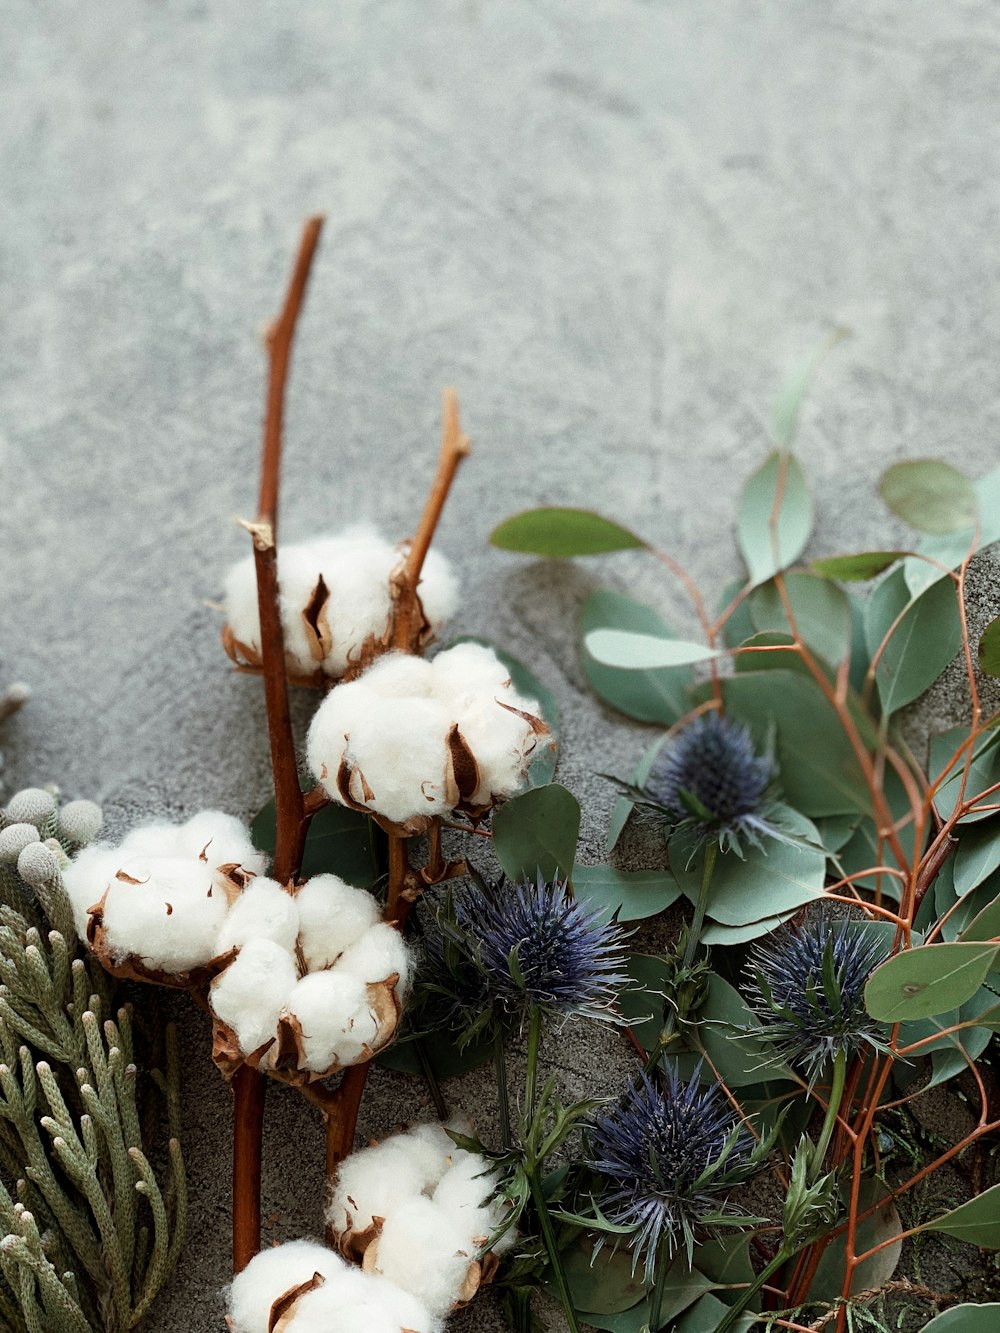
(500, 1064)
(552, 1249)
(690, 948)
(832, 1110)
(730, 1319)
(531, 1076)
(430, 1078)
(662, 1265)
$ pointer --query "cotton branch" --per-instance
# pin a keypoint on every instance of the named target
(291, 819)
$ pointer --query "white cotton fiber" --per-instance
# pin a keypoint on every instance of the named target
(431, 1148)
(399, 749)
(464, 1191)
(438, 590)
(400, 676)
(335, 1016)
(379, 953)
(224, 839)
(170, 918)
(374, 1183)
(469, 669)
(332, 916)
(358, 1302)
(424, 1250)
(85, 879)
(251, 993)
(272, 1273)
(263, 911)
(153, 840)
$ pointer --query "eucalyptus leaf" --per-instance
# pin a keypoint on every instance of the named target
(537, 832)
(446, 1058)
(820, 609)
(601, 1283)
(966, 1319)
(985, 925)
(629, 651)
(656, 695)
(623, 806)
(856, 568)
(931, 979)
(924, 635)
(775, 516)
(561, 533)
(633, 895)
(864, 851)
(819, 771)
(795, 387)
(978, 855)
(707, 1314)
(738, 626)
(641, 999)
(730, 936)
(989, 649)
(984, 771)
(881, 1225)
(764, 651)
(977, 1221)
(727, 1032)
(949, 551)
(770, 880)
(930, 495)
(341, 842)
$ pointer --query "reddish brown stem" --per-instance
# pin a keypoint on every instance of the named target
(291, 819)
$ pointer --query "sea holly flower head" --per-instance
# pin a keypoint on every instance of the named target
(806, 988)
(669, 1154)
(513, 947)
(709, 779)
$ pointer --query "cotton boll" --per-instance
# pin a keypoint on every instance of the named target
(438, 589)
(251, 993)
(170, 919)
(224, 839)
(469, 669)
(400, 751)
(272, 1273)
(332, 916)
(153, 840)
(465, 1189)
(357, 1302)
(263, 911)
(431, 1147)
(357, 566)
(335, 1016)
(400, 676)
(424, 1250)
(86, 878)
(299, 571)
(332, 723)
(379, 953)
(501, 742)
(375, 1182)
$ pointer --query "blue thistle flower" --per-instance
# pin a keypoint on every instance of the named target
(669, 1156)
(710, 780)
(806, 987)
(517, 947)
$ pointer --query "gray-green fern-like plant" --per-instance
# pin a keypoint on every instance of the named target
(91, 1228)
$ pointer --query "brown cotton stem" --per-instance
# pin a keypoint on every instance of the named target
(454, 447)
(291, 819)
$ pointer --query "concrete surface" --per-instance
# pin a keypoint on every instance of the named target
(613, 225)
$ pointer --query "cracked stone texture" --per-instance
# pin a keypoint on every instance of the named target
(613, 225)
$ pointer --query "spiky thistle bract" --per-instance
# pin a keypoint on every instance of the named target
(669, 1154)
(806, 987)
(709, 780)
(503, 950)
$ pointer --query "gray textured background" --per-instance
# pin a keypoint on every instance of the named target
(613, 225)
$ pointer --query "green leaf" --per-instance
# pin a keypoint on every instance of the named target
(989, 649)
(729, 936)
(769, 880)
(929, 495)
(603, 1283)
(650, 696)
(537, 832)
(949, 551)
(623, 806)
(528, 686)
(643, 652)
(928, 980)
(926, 639)
(836, 831)
(706, 1316)
(977, 857)
(561, 533)
(796, 386)
(863, 851)
(633, 894)
(726, 1030)
(985, 925)
(738, 626)
(819, 770)
(881, 1225)
(775, 517)
(984, 771)
(641, 1002)
(443, 1054)
(820, 609)
(858, 567)
(977, 1221)
(748, 657)
(341, 842)
(966, 1319)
